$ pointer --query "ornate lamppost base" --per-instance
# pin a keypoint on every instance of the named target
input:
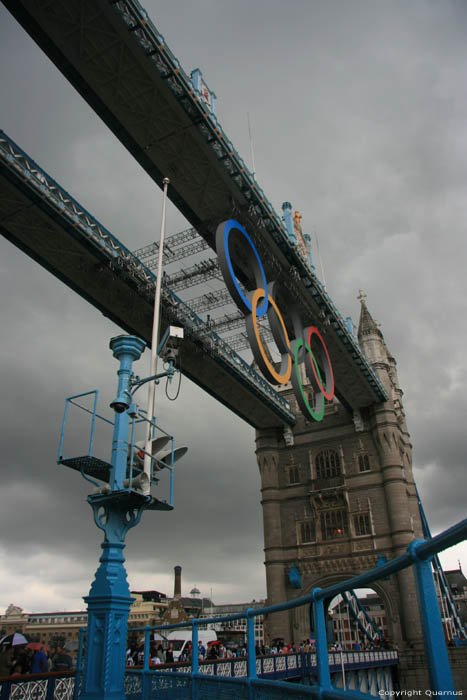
(109, 598)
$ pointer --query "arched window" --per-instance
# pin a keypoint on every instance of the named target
(327, 464)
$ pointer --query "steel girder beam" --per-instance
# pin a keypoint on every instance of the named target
(46, 223)
(121, 65)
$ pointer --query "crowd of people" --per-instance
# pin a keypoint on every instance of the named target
(160, 653)
(157, 654)
(21, 660)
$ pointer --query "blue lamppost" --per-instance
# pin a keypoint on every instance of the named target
(115, 513)
(118, 503)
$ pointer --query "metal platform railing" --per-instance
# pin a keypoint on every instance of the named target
(418, 555)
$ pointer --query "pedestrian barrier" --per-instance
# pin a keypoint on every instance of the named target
(43, 686)
(328, 681)
(325, 675)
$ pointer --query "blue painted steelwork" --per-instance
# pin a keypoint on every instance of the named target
(307, 238)
(418, 554)
(295, 578)
(324, 676)
(143, 37)
(373, 669)
(47, 686)
(87, 227)
(92, 467)
(435, 643)
(115, 513)
(200, 86)
(360, 615)
(287, 216)
(215, 676)
(117, 507)
(159, 54)
(447, 597)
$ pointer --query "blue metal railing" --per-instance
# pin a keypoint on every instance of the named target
(250, 682)
(446, 596)
(92, 467)
(418, 555)
(49, 686)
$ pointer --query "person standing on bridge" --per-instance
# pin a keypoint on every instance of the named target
(169, 654)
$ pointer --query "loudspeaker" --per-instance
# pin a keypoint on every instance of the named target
(101, 490)
(156, 445)
(138, 483)
(165, 456)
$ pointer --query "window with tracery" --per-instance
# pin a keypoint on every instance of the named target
(327, 464)
(334, 524)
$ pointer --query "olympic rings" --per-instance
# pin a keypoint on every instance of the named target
(319, 371)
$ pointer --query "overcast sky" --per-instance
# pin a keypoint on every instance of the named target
(359, 118)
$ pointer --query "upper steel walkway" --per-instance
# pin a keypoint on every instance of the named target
(119, 77)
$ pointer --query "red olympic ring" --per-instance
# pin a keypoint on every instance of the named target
(327, 366)
(292, 355)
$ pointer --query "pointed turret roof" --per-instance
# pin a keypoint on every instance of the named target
(366, 324)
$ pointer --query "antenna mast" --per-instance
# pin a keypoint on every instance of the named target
(252, 155)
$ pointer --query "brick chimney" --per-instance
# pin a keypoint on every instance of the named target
(177, 582)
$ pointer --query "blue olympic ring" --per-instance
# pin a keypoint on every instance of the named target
(227, 228)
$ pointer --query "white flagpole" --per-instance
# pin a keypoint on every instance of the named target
(155, 343)
(252, 154)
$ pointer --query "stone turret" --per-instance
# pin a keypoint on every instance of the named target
(389, 431)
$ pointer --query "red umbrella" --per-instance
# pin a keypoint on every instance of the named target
(37, 646)
(214, 643)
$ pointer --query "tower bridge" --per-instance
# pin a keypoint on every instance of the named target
(119, 62)
(336, 495)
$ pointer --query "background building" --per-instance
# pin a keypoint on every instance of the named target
(58, 628)
(235, 630)
(345, 628)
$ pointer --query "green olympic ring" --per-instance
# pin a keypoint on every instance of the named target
(298, 382)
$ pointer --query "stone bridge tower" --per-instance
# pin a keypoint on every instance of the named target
(339, 497)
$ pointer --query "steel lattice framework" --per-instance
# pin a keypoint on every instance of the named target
(191, 276)
(46, 222)
(120, 63)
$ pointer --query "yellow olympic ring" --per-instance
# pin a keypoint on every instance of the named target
(257, 347)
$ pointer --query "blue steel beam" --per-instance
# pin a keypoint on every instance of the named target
(440, 577)
(103, 254)
(418, 555)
